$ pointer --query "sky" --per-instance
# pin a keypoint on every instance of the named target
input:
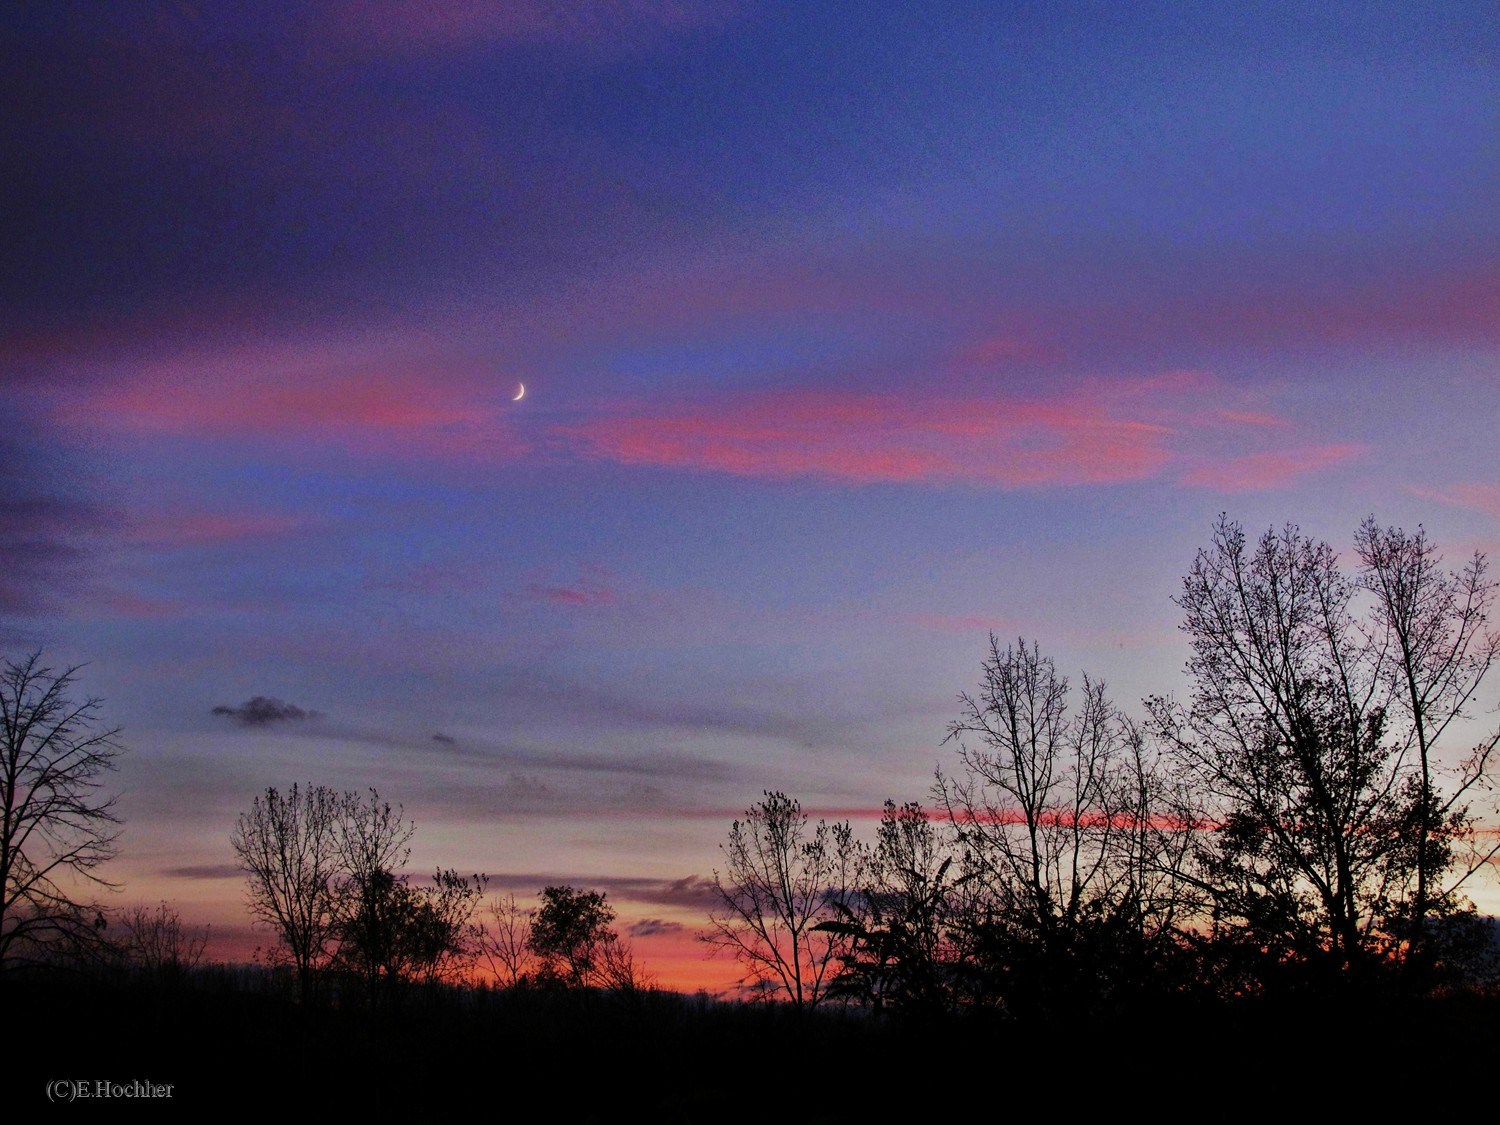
(849, 333)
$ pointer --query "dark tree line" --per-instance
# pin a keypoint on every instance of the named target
(326, 874)
(1304, 820)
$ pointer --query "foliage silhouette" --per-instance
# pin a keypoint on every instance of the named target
(324, 872)
(570, 935)
(901, 928)
(393, 934)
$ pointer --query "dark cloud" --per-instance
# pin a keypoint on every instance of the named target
(547, 759)
(262, 710)
(535, 693)
(692, 891)
(650, 927)
(34, 559)
(665, 765)
(526, 791)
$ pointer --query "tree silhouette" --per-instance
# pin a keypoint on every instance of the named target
(902, 953)
(571, 934)
(783, 878)
(157, 945)
(1329, 834)
(392, 933)
(56, 827)
(291, 848)
(1068, 890)
(1432, 624)
(505, 940)
(373, 909)
(324, 872)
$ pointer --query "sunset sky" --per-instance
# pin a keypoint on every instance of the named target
(849, 332)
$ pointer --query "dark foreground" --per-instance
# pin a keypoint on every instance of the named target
(223, 1038)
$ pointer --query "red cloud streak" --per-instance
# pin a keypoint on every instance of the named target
(203, 407)
(1270, 470)
(1476, 495)
(400, 413)
(867, 438)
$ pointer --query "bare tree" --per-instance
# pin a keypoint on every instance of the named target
(783, 878)
(373, 836)
(1035, 804)
(1057, 814)
(158, 945)
(1325, 828)
(1430, 625)
(505, 939)
(56, 827)
(902, 953)
(619, 970)
(291, 847)
(373, 909)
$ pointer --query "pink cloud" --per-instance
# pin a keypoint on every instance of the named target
(338, 395)
(816, 812)
(962, 622)
(1275, 469)
(440, 577)
(865, 438)
(576, 596)
(873, 289)
(1479, 496)
(1460, 306)
(1253, 418)
(383, 394)
(1083, 818)
(178, 406)
(593, 587)
(1063, 817)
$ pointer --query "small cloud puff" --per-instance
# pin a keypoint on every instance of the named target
(263, 710)
(693, 890)
(650, 927)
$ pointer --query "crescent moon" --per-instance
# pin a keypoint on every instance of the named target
(520, 392)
